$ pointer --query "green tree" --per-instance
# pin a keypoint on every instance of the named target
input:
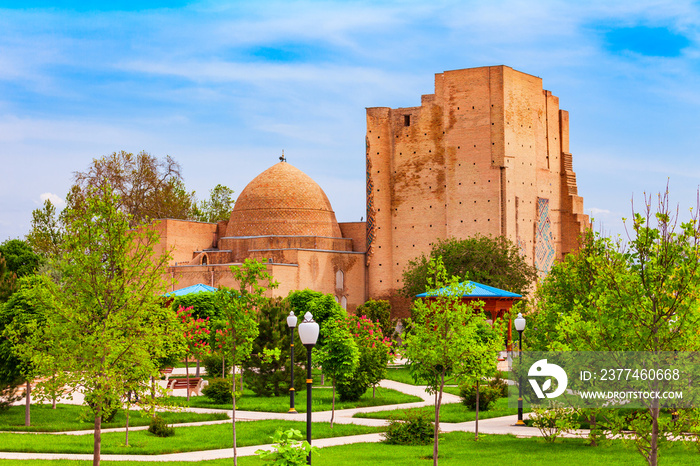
(239, 309)
(106, 322)
(266, 376)
(20, 257)
(8, 281)
(443, 338)
(196, 337)
(641, 295)
(147, 188)
(338, 356)
(20, 316)
(493, 261)
(46, 233)
(378, 311)
(218, 207)
(374, 355)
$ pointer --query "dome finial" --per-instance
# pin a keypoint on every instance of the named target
(283, 158)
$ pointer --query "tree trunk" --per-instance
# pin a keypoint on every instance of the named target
(187, 375)
(654, 450)
(28, 405)
(153, 390)
(438, 402)
(197, 373)
(98, 438)
(223, 366)
(333, 404)
(126, 439)
(476, 428)
(374, 391)
(233, 395)
(54, 394)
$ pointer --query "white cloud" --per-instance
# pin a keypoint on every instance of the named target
(54, 198)
(596, 211)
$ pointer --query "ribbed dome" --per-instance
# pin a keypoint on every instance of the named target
(283, 200)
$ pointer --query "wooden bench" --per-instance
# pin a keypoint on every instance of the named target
(195, 385)
(166, 372)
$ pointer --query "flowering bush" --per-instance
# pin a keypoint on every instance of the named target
(374, 356)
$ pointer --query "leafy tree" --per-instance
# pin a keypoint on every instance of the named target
(20, 316)
(266, 376)
(374, 355)
(238, 308)
(218, 207)
(202, 305)
(493, 261)
(20, 257)
(338, 356)
(641, 295)
(443, 338)
(147, 188)
(196, 333)
(46, 233)
(378, 311)
(8, 280)
(106, 325)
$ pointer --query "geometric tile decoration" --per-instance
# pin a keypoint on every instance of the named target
(370, 204)
(544, 242)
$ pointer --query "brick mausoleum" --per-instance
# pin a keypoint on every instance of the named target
(487, 153)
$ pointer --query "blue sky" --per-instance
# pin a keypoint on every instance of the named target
(224, 87)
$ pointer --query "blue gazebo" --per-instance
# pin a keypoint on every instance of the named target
(497, 302)
(198, 288)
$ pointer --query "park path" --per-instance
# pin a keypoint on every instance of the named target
(501, 425)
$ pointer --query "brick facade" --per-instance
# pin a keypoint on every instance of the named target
(486, 153)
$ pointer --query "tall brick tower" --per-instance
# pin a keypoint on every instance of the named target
(487, 153)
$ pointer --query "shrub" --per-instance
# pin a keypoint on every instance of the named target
(288, 449)
(219, 390)
(212, 363)
(374, 356)
(416, 429)
(159, 428)
(554, 419)
(378, 311)
(488, 394)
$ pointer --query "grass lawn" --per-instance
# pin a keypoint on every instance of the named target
(321, 401)
(71, 417)
(199, 438)
(403, 375)
(456, 449)
(453, 412)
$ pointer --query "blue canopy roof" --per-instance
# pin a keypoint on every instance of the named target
(198, 288)
(471, 289)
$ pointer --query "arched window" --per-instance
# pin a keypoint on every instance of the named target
(339, 279)
(205, 261)
(344, 302)
(336, 299)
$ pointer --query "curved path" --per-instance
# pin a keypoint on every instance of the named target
(501, 425)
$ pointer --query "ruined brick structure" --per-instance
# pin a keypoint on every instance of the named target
(487, 153)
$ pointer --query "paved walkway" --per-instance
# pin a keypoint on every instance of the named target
(501, 425)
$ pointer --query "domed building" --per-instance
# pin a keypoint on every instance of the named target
(284, 217)
(487, 153)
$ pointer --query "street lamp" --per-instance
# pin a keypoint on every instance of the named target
(520, 326)
(308, 333)
(291, 323)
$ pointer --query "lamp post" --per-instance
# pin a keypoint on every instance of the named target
(308, 333)
(520, 326)
(291, 323)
